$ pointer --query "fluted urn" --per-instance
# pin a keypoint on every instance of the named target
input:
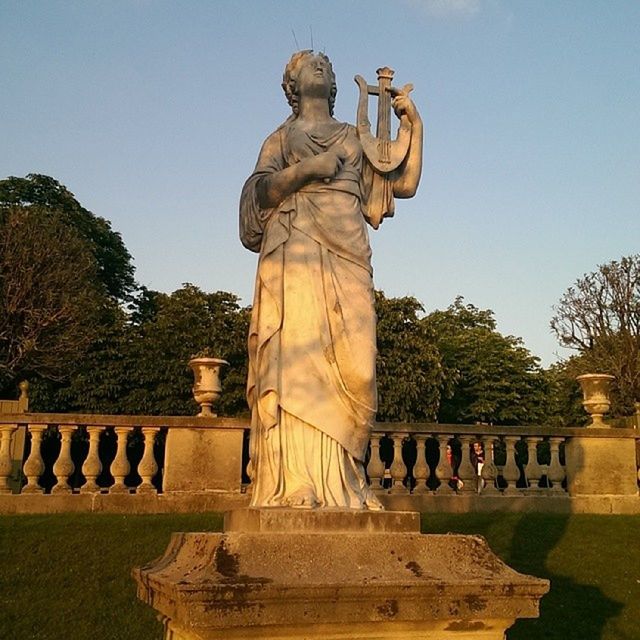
(206, 385)
(595, 390)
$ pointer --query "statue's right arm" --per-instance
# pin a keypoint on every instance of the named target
(275, 187)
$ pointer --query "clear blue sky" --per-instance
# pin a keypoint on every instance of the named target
(152, 113)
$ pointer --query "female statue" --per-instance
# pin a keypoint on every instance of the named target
(312, 340)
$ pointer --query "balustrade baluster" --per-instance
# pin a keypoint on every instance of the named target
(120, 466)
(397, 469)
(533, 470)
(148, 466)
(489, 473)
(443, 469)
(6, 432)
(250, 470)
(34, 465)
(63, 467)
(510, 471)
(556, 471)
(375, 468)
(421, 470)
(92, 466)
(466, 470)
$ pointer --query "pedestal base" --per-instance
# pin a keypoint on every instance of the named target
(254, 520)
(601, 466)
(330, 585)
(203, 460)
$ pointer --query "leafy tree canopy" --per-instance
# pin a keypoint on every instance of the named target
(565, 396)
(599, 317)
(138, 364)
(50, 301)
(409, 373)
(488, 377)
(49, 197)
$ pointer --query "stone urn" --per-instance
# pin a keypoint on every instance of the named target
(206, 385)
(595, 389)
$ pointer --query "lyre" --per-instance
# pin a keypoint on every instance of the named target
(384, 154)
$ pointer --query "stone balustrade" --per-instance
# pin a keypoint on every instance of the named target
(409, 465)
(79, 454)
(510, 460)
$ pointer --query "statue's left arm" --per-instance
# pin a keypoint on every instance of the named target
(407, 175)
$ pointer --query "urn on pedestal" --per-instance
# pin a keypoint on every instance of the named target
(595, 389)
(206, 385)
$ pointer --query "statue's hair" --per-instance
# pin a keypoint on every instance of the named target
(290, 75)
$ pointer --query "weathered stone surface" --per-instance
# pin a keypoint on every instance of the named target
(200, 502)
(203, 459)
(335, 585)
(322, 520)
(601, 466)
(312, 339)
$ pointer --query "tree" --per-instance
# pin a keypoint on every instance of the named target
(49, 297)
(488, 377)
(48, 197)
(409, 373)
(565, 397)
(599, 317)
(138, 362)
(187, 322)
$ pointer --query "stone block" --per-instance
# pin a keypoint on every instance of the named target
(321, 521)
(601, 466)
(272, 585)
(203, 460)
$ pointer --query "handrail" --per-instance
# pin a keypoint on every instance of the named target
(243, 422)
(502, 430)
(101, 420)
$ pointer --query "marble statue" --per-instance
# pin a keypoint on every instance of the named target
(312, 339)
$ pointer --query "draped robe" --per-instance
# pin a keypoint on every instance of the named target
(312, 339)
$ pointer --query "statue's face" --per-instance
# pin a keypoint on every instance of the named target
(314, 77)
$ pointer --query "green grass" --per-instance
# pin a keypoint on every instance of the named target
(69, 576)
(593, 563)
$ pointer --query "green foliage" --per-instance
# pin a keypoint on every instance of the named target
(599, 317)
(186, 322)
(50, 198)
(139, 362)
(409, 374)
(565, 396)
(98, 382)
(49, 298)
(488, 377)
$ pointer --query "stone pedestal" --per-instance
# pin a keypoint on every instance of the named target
(334, 575)
(203, 460)
(601, 466)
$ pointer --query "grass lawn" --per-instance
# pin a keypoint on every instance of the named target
(68, 576)
(593, 563)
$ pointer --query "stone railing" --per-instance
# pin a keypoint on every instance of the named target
(506, 468)
(109, 454)
(445, 459)
(116, 460)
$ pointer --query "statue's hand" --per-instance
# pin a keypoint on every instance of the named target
(325, 165)
(403, 105)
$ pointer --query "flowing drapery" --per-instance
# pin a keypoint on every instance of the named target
(312, 343)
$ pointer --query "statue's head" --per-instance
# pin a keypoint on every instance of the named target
(289, 78)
